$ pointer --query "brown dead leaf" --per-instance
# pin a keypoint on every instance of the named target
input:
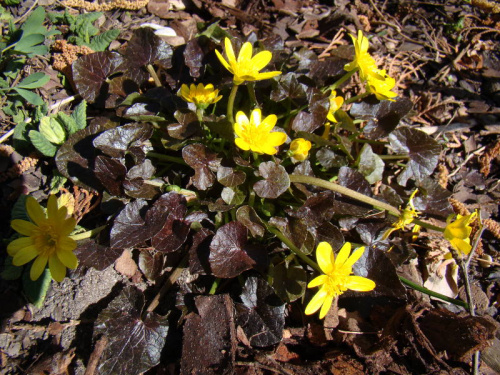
(56, 364)
(126, 265)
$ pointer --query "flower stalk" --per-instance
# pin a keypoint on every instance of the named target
(87, 234)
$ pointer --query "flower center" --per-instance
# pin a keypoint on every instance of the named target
(336, 282)
(46, 240)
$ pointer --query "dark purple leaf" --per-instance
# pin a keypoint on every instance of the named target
(296, 231)
(276, 180)
(229, 177)
(203, 161)
(169, 204)
(91, 254)
(288, 280)
(289, 88)
(261, 313)
(200, 251)
(188, 125)
(228, 255)
(151, 264)
(129, 227)
(434, 199)
(111, 172)
(306, 122)
(90, 73)
(135, 342)
(369, 231)
(117, 141)
(75, 157)
(330, 159)
(147, 48)
(209, 340)
(422, 149)
(173, 234)
(376, 266)
(138, 188)
(316, 210)
(326, 71)
(356, 181)
(249, 218)
(330, 233)
(143, 112)
(383, 117)
(193, 56)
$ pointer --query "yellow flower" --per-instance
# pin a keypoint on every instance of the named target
(47, 239)
(202, 96)
(255, 134)
(381, 87)
(335, 104)
(337, 277)
(458, 232)
(362, 60)
(246, 67)
(300, 148)
(406, 217)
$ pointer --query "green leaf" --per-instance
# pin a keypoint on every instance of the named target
(42, 144)
(345, 121)
(102, 41)
(36, 290)
(20, 137)
(10, 272)
(68, 122)
(370, 164)
(34, 23)
(52, 130)
(26, 43)
(19, 209)
(29, 96)
(57, 181)
(80, 115)
(12, 2)
(34, 81)
(289, 281)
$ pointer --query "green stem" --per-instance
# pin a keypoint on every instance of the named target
(345, 191)
(87, 234)
(152, 71)
(394, 157)
(163, 157)
(423, 224)
(215, 285)
(357, 97)
(421, 289)
(230, 103)
(199, 114)
(251, 93)
(292, 247)
(343, 79)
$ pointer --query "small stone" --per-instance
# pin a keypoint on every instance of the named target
(485, 261)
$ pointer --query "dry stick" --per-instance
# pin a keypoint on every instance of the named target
(100, 345)
(468, 292)
(168, 283)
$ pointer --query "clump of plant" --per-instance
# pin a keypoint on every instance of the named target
(251, 164)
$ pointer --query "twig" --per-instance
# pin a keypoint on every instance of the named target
(6, 135)
(100, 345)
(168, 283)
(25, 15)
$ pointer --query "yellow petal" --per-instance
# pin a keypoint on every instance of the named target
(461, 245)
(68, 258)
(223, 61)
(276, 139)
(241, 143)
(57, 269)
(66, 244)
(20, 243)
(52, 206)
(316, 302)
(255, 117)
(67, 226)
(23, 227)
(360, 284)
(327, 303)
(324, 256)
(245, 52)
(35, 211)
(343, 254)
(38, 267)
(355, 256)
(242, 119)
(317, 281)
(268, 123)
(229, 51)
(261, 59)
(265, 75)
(24, 255)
